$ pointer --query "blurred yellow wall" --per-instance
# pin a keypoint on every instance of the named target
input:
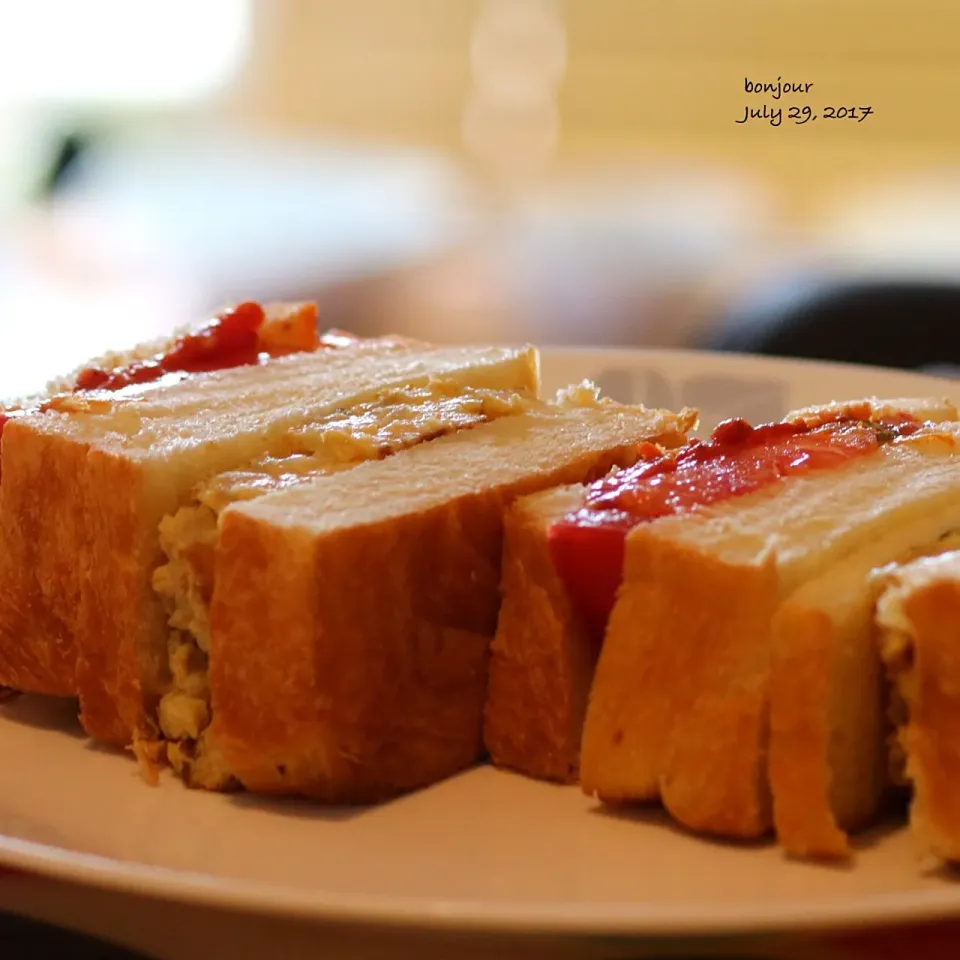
(642, 76)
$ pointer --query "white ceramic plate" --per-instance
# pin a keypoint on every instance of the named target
(485, 850)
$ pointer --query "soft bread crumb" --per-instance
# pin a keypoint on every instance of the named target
(583, 394)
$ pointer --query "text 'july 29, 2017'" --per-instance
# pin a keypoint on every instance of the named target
(766, 104)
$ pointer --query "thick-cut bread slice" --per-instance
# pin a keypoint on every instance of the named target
(680, 697)
(543, 658)
(828, 725)
(352, 615)
(543, 655)
(85, 486)
(918, 614)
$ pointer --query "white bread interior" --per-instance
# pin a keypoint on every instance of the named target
(680, 697)
(352, 615)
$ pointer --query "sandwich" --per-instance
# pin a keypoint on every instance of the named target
(918, 620)
(246, 334)
(702, 588)
(284, 575)
(658, 616)
(88, 475)
(352, 615)
(831, 772)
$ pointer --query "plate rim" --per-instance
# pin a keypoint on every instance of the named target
(529, 917)
(544, 918)
(777, 361)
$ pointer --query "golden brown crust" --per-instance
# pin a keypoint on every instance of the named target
(121, 621)
(678, 706)
(800, 732)
(354, 701)
(542, 658)
(932, 737)
(76, 514)
(375, 678)
(829, 704)
(71, 515)
(43, 536)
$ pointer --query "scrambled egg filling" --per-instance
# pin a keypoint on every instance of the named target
(395, 420)
(896, 647)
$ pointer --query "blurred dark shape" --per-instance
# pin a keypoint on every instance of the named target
(910, 324)
(68, 153)
(21, 937)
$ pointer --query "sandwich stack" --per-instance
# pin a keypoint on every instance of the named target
(267, 559)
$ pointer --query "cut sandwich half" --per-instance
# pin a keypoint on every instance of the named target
(722, 536)
(244, 335)
(918, 614)
(87, 483)
(345, 649)
(829, 769)
(552, 626)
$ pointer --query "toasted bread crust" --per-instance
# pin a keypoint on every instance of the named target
(75, 516)
(542, 658)
(43, 537)
(800, 733)
(678, 706)
(120, 621)
(70, 514)
(932, 737)
(376, 681)
(354, 701)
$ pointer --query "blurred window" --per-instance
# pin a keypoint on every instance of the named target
(118, 52)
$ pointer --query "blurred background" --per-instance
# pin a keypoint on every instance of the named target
(562, 171)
